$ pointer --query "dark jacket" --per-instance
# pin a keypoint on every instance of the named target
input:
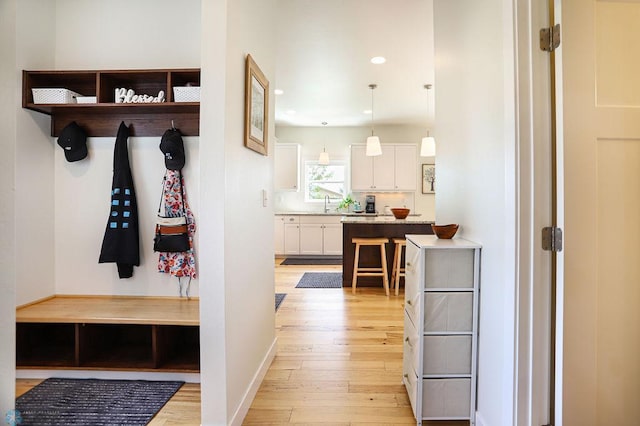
(121, 243)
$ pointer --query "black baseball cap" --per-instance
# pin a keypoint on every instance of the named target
(73, 139)
(172, 146)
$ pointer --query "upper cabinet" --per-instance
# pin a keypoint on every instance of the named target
(287, 167)
(394, 170)
(102, 114)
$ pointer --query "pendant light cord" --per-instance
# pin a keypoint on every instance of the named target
(372, 87)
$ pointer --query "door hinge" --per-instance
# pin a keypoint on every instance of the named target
(552, 238)
(550, 38)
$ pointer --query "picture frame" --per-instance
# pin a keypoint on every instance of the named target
(428, 178)
(256, 108)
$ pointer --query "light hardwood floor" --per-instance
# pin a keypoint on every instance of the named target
(338, 361)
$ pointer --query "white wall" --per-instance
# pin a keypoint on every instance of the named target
(113, 38)
(9, 89)
(476, 143)
(237, 326)
(337, 141)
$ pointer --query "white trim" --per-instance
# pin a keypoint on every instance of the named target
(250, 394)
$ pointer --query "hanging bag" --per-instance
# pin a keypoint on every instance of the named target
(171, 232)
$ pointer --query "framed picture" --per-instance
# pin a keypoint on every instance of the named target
(428, 178)
(256, 108)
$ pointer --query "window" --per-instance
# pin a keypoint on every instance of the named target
(321, 181)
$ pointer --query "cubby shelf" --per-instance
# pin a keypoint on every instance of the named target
(103, 117)
(109, 333)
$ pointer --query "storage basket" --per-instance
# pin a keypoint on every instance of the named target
(186, 94)
(54, 96)
(87, 99)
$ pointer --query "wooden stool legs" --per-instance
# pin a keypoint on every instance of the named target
(398, 270)
(370, 272)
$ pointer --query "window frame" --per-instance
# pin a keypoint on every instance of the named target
(307, 181)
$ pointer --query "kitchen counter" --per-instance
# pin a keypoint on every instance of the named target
(376, 227)
(348, 215)
(385, 220)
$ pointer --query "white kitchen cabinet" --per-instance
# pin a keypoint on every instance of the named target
(441, 327)
(405, 167)
(332, 239)
(287, 167)
(394, 170)
(320, 235)
(311, 238)
(278, 235)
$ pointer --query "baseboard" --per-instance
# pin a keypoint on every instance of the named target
(251, 392)
(480, 420)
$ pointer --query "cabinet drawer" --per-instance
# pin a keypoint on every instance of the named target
(290, 219)
(449, 268)
(447, 355)
(412, 307)
(448, 311)
(410, 380)
(446, 398)
(410, 350)
(320, 219)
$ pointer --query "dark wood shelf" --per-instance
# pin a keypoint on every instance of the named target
(103, 118)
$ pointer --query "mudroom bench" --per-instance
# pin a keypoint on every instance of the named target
(109, 333)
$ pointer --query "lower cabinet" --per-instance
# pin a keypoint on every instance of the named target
(108, 346)
(308, 235)
(441, 327)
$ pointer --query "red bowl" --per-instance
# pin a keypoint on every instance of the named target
(445, 232)
(400, 213)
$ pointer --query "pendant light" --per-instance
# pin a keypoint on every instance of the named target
(373, 142)
(428, 147)
(323, 160)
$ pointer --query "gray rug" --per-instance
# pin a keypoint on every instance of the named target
(311, 261)
(279, 298)
(93, 402)
(320, 280)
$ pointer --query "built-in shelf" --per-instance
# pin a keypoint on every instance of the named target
(103, 117)
(109, 333)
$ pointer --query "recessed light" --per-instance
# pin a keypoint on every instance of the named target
(278, 92)
(378, 60)
(290, 111)
(367, 111)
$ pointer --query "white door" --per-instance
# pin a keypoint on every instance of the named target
(384, 171)
(311, 238)
(601, 310)
(278, 234)
(286, 167)
(332, 239)
(405, 167)
(361, 169)
(291, 238)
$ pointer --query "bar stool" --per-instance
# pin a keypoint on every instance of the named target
(397, 271)
(370, 272)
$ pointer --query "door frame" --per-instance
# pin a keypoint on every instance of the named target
(532, 384)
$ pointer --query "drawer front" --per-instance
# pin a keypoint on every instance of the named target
(449, 268)
(412, 259)
(446, 398)
(411, 350)
(410, 380)
(320, 219)
(448, 312)
(290, 219)
(412, 307)
(447, 355)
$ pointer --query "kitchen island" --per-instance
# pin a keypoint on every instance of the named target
(375, 227)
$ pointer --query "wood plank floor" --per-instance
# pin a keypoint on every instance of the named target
(338, 361)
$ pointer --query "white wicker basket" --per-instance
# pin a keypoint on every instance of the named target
(54, 96)
(186, 94)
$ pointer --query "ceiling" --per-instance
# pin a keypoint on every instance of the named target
(323, 62)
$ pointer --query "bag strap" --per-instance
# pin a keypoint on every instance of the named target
(164, 182)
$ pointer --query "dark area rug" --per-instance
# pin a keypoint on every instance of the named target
(311, 261)
(94, 402)
(279, 298)
(320, 280)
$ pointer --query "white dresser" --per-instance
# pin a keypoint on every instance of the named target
(441, 327)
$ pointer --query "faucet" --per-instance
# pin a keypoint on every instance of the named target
(326, 201)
